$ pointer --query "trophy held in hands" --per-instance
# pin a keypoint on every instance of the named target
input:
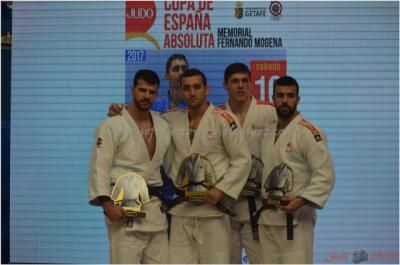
(253, 185)
(279, 182)
(195, 177)
(130, 192)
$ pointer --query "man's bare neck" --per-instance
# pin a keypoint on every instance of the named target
(197, 114)
(284, 122)
(239, 107)
(138, 114)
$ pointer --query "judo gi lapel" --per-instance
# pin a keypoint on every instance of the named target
(289, 129)
(158, 133)
(285, 137)
(201, 128)
(250, 113)
(160, 136)
(136, 131)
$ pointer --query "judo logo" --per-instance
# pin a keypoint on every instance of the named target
(360, 256)
(139, 18)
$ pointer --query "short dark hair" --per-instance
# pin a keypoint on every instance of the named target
(194, 72)
(235, 68)
(174, 57)
(286, 81)
(147, 75)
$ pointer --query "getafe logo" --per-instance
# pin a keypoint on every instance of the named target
(239, 10)
(139, 18)
(275, 8)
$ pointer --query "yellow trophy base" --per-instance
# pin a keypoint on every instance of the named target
(195, 196)
(275, 200)
(248, 191)
(134, 214)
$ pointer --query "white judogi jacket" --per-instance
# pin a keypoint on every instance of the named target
(218, 137)
(304, 148)
(260, 119)
(119, 148)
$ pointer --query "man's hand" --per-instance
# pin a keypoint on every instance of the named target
(213, 196)
(115, 109)
(293, 204)
(112, 211)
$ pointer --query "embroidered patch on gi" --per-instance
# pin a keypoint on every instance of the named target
(99, 142)
(257, 127)
(288, 148)
(314, 131)
(210, 135)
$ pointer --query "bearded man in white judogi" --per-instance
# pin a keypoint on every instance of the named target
(297, 166)
(132, 145)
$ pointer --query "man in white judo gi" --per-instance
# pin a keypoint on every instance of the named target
(255, 119)
(176, 64)
(133, 143)
(200, 233)
(297, 165)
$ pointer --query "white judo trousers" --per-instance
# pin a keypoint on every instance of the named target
(120, 148)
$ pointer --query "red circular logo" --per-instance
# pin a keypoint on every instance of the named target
(140, 15)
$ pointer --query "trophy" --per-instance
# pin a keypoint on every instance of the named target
(279, 182)
(195, 177)
(253, 184)
(130, 192)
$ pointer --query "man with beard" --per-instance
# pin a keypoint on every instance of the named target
(286, 227)
(176, 64)
(135, 141)
(200, 233)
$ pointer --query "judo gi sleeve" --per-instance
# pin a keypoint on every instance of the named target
(235, 177)
(101, 163)
(320, 163)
